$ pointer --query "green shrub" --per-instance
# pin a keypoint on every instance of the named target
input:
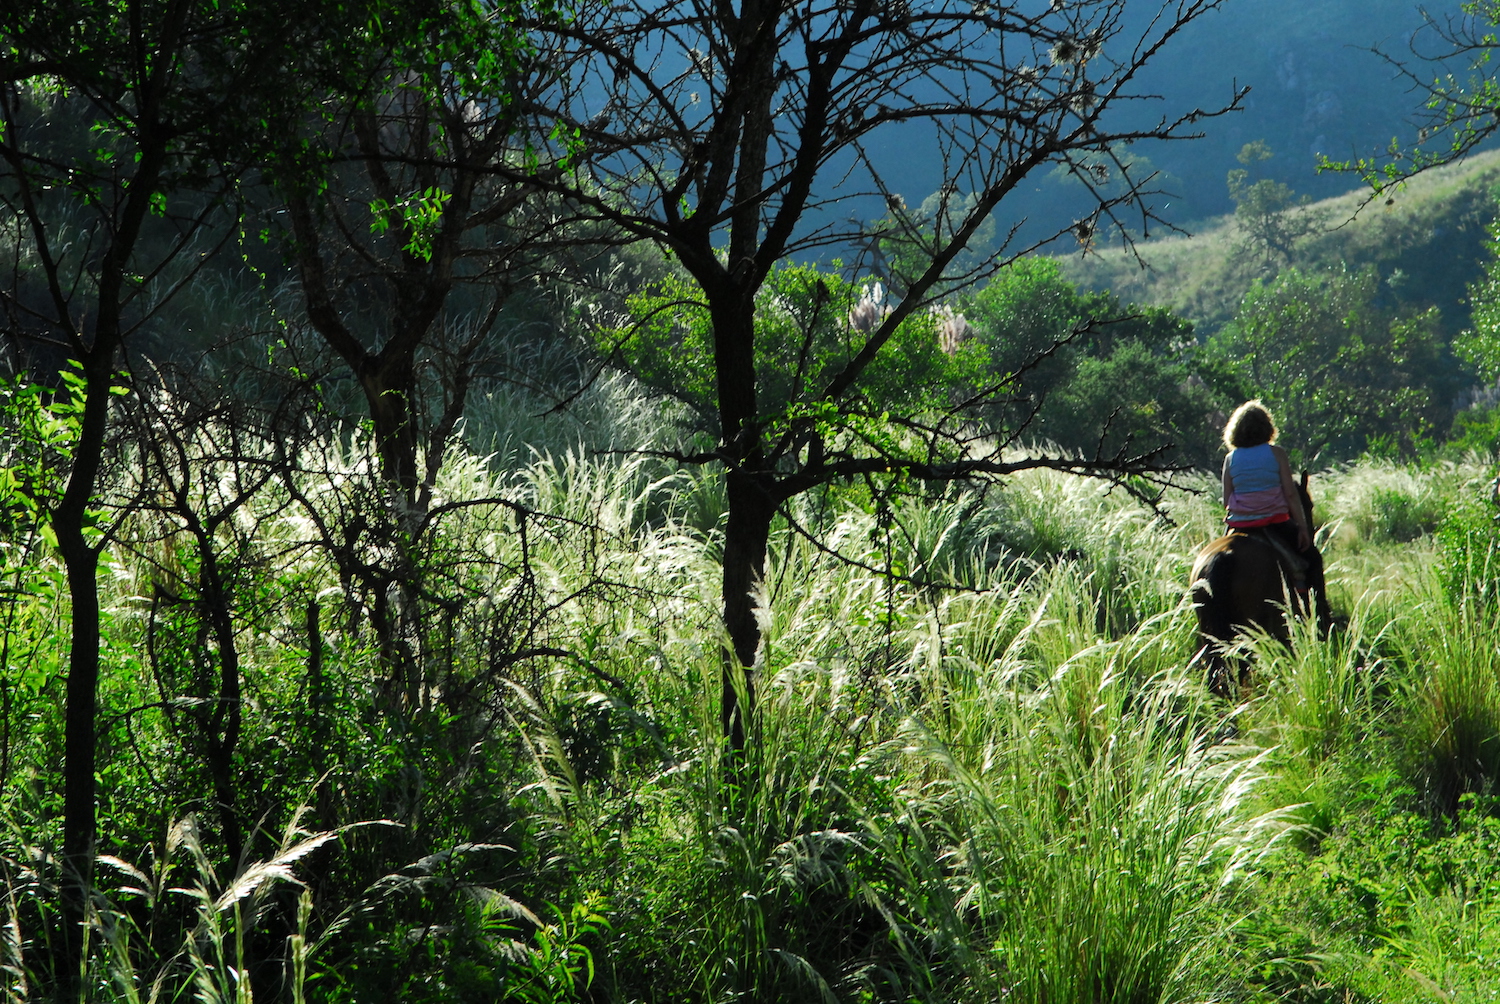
(1392, 907)
(1475, 430)
(1469, 549)
(1377, 501)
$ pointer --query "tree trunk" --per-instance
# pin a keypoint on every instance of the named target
(745, 537)
(224, 724)
(750, 502)
(69, 519)
(79, 742)
(388, 390)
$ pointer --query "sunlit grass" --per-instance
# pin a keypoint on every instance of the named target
(983, 764)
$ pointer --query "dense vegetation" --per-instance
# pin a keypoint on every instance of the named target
(467, 538)
(985, 759)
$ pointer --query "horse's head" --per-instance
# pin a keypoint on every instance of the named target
(1307, 502)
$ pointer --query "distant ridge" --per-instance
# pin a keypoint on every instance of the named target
(1428, 245)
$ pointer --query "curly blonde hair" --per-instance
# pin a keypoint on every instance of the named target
(1250, 425)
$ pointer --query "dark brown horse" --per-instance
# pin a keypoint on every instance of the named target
(1240, 581)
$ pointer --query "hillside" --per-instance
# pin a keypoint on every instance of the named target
(1318, 84)
(1427, 243)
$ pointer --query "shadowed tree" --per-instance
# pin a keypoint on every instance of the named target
(408, 238)
(124, 131)
(737, 136)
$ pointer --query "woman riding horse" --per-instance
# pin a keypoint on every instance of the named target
(1268, 556)
(1259, 492)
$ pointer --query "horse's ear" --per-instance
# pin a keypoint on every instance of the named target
(1304, 481)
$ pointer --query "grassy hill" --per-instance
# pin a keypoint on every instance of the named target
(1428, 244)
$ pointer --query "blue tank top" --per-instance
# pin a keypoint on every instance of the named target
(1254, 469)
(1255, 474)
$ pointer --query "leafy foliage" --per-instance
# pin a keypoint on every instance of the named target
(1479, 345)
(808, 325)
(1342, 374)
(1109, 375)
(984, 765)
(1272, 216)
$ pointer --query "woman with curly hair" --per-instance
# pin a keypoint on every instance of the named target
(1259, 492)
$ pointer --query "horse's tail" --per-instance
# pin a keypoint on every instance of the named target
(1211, 587)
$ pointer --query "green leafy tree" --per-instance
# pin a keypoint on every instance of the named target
(732, 142)
(810, 324)
(1088, 373)
(400, 227)
(1272, 217)
(1140, 395)
(408, 244)
(1023, 314)
(124, 130)
(1342, 374)
(1479, 345)
(1478, 426)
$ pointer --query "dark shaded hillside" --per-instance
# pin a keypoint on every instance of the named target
(1315, 87)
(1427, 245)
(1315, 84)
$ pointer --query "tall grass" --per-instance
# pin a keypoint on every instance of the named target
(1450, 699)
(1317, 697)
(1382, 502)
(142, 952)
(953, 795)
(983, 767)
(1090, 837)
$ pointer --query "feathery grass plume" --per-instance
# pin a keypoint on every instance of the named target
(866, 315)
(142, 950)
(1449, 698)
(770, 870)
(1319, 695)
(953, 329)
(614, 496)
(1321, 707)
(1091, 834)
(1378, 501)
(513, 424)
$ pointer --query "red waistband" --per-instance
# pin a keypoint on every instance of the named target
(1280, 517)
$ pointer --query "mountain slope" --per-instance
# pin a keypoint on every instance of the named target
(1427, 244)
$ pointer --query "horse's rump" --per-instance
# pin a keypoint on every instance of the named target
(1238, 581)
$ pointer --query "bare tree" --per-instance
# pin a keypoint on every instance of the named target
(410, 226)
(1456, 96)
(207, 447)
(737, 136)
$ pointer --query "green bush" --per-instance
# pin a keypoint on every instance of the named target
(1469, 550)
(1378, 501)
(1339, 370)
(1449, 701)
